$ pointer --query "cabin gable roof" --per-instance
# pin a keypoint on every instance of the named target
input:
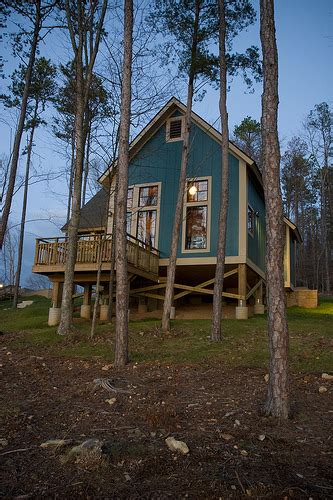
(160, 118)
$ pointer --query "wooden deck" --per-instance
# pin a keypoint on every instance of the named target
(50, 255)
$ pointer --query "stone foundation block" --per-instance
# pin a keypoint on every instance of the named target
(54, 316)
(242, 312)
(85, 311)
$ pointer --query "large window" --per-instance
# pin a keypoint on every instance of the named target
(143, 207)
(146, 231)
(250, 220)
(196, 216)
(148, 196)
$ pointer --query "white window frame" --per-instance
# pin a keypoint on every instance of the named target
(174, 119)
(187, 204)
(135, 209)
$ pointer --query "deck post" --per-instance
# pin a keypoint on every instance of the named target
(142, 305)
(104, 307)
(259, 307)
(85, 310)
(54, 311)
(242, 310)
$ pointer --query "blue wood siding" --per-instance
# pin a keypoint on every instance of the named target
(256, 244)
(159, 161)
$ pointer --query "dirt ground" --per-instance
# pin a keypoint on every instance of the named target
(234, 452)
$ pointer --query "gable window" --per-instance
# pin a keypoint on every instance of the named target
(143, 209)
(196, 225)
(174, 129)
(250, 220)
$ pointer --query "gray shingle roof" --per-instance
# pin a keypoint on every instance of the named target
(93, 214)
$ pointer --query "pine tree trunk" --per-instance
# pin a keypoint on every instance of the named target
(23, 217)
(83, 83)
(121, 346)
(277, 403)
(20, 126)
(65, 327)
(220, 259)
(101, 243)
(169, 291)
(71, 178)
(86, 166)
(113, 253)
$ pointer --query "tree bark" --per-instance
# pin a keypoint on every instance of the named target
(169, 291)
(277, 403)
(220, 259)
(20, 126)
(65, 325)
(121, 345)
(82, 95)
(23, 216)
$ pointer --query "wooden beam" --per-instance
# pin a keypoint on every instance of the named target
(148, 288)
(199, 288)
(251, 292)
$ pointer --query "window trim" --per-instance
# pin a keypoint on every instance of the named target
(174, 119)
(136, 208)
(251, 233)
(187, 204)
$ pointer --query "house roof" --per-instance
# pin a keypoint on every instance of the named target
(93, 214)
(150, 129)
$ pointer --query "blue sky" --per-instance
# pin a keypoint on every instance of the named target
(304, 30)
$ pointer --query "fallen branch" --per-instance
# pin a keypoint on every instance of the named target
(16, 451)
(106, 384)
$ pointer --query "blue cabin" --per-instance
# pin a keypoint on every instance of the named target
(155, 158)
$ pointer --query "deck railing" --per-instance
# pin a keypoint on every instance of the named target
(53, 251)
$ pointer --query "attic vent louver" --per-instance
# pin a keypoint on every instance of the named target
(175, 129)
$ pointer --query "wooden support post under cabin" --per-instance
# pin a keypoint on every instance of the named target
(242, 310)
(104, 307)
(142, 305)
(54, 311)
(259, 307)
(85, 311)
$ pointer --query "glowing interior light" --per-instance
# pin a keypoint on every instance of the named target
(193, 190)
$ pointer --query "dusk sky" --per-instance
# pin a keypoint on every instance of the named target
(305, 45)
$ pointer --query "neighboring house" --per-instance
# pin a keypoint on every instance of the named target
(155, 158)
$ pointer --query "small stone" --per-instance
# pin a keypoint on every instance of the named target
(244, 453)
(237, 423)
(227, 437)
(175, 445)
(322, 389)
(266, 377)
(327, 376)
(56, 443)
(105, 368)
(233, 487)
(3, 443)
(153, 434)
(262, 437)
(127, 476)
(111, 401)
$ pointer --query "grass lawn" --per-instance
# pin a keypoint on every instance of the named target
(244, 343)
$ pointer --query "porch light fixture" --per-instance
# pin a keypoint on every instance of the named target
(193, 189)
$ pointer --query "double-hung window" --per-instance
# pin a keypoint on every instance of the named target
(143, 206)
(196, 225)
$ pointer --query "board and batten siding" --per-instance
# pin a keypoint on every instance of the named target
(159, 161)
(256, 244)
